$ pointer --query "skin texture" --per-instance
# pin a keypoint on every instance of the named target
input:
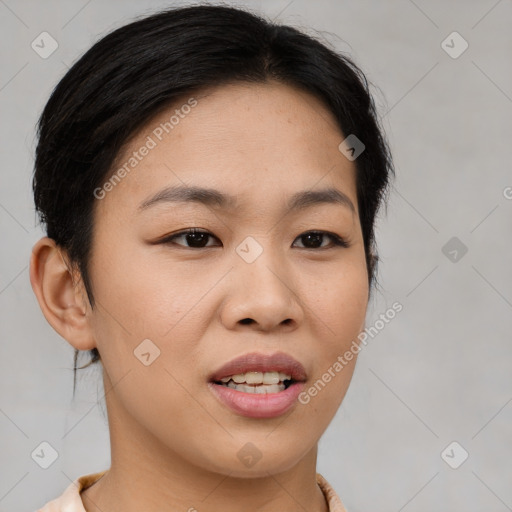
(174, 445)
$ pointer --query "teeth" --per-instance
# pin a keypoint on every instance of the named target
(257, 382)
(257, 378)
(261, 389)
(271, 378)
(254, 378)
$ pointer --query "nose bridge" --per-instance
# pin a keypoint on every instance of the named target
(262, 288)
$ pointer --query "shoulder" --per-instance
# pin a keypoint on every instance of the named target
(333, 500)
(70, 500)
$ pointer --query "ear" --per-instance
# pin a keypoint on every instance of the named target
(61, 297)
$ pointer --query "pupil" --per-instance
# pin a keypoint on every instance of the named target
(193, 237)
(315, 237)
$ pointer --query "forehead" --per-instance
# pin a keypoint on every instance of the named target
(253, 141)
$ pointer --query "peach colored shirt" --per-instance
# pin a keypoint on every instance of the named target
(70, 500)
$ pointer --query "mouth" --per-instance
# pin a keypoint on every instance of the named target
(259, 385)
(257, 382)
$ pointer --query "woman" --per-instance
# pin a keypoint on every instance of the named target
(209, 182)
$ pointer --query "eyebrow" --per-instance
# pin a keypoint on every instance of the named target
(212, 197)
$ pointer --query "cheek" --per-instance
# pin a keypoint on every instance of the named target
(340, 307)
(144, 297)
(339, 298)
(141, 299)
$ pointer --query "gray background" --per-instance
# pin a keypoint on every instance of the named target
(439, 372)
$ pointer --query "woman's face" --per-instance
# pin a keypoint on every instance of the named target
(170, 314)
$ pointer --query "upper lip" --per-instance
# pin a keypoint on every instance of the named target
(256, 362)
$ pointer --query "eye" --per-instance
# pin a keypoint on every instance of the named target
(313, 240)
(196, 238)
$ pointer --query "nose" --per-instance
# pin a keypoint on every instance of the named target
(261, 296)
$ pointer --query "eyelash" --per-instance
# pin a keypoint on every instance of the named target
(337, 241)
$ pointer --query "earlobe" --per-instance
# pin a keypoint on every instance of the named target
(60, 300)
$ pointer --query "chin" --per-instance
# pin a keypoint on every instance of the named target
(250, 463)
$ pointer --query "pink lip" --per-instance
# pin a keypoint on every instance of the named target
(259, 405)
(255, 362)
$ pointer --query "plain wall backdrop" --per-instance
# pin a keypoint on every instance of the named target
(438, 373)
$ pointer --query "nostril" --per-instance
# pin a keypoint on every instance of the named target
(246, 321)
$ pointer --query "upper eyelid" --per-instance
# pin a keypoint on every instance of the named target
(168, 238)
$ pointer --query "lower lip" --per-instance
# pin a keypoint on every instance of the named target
(254, 405)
